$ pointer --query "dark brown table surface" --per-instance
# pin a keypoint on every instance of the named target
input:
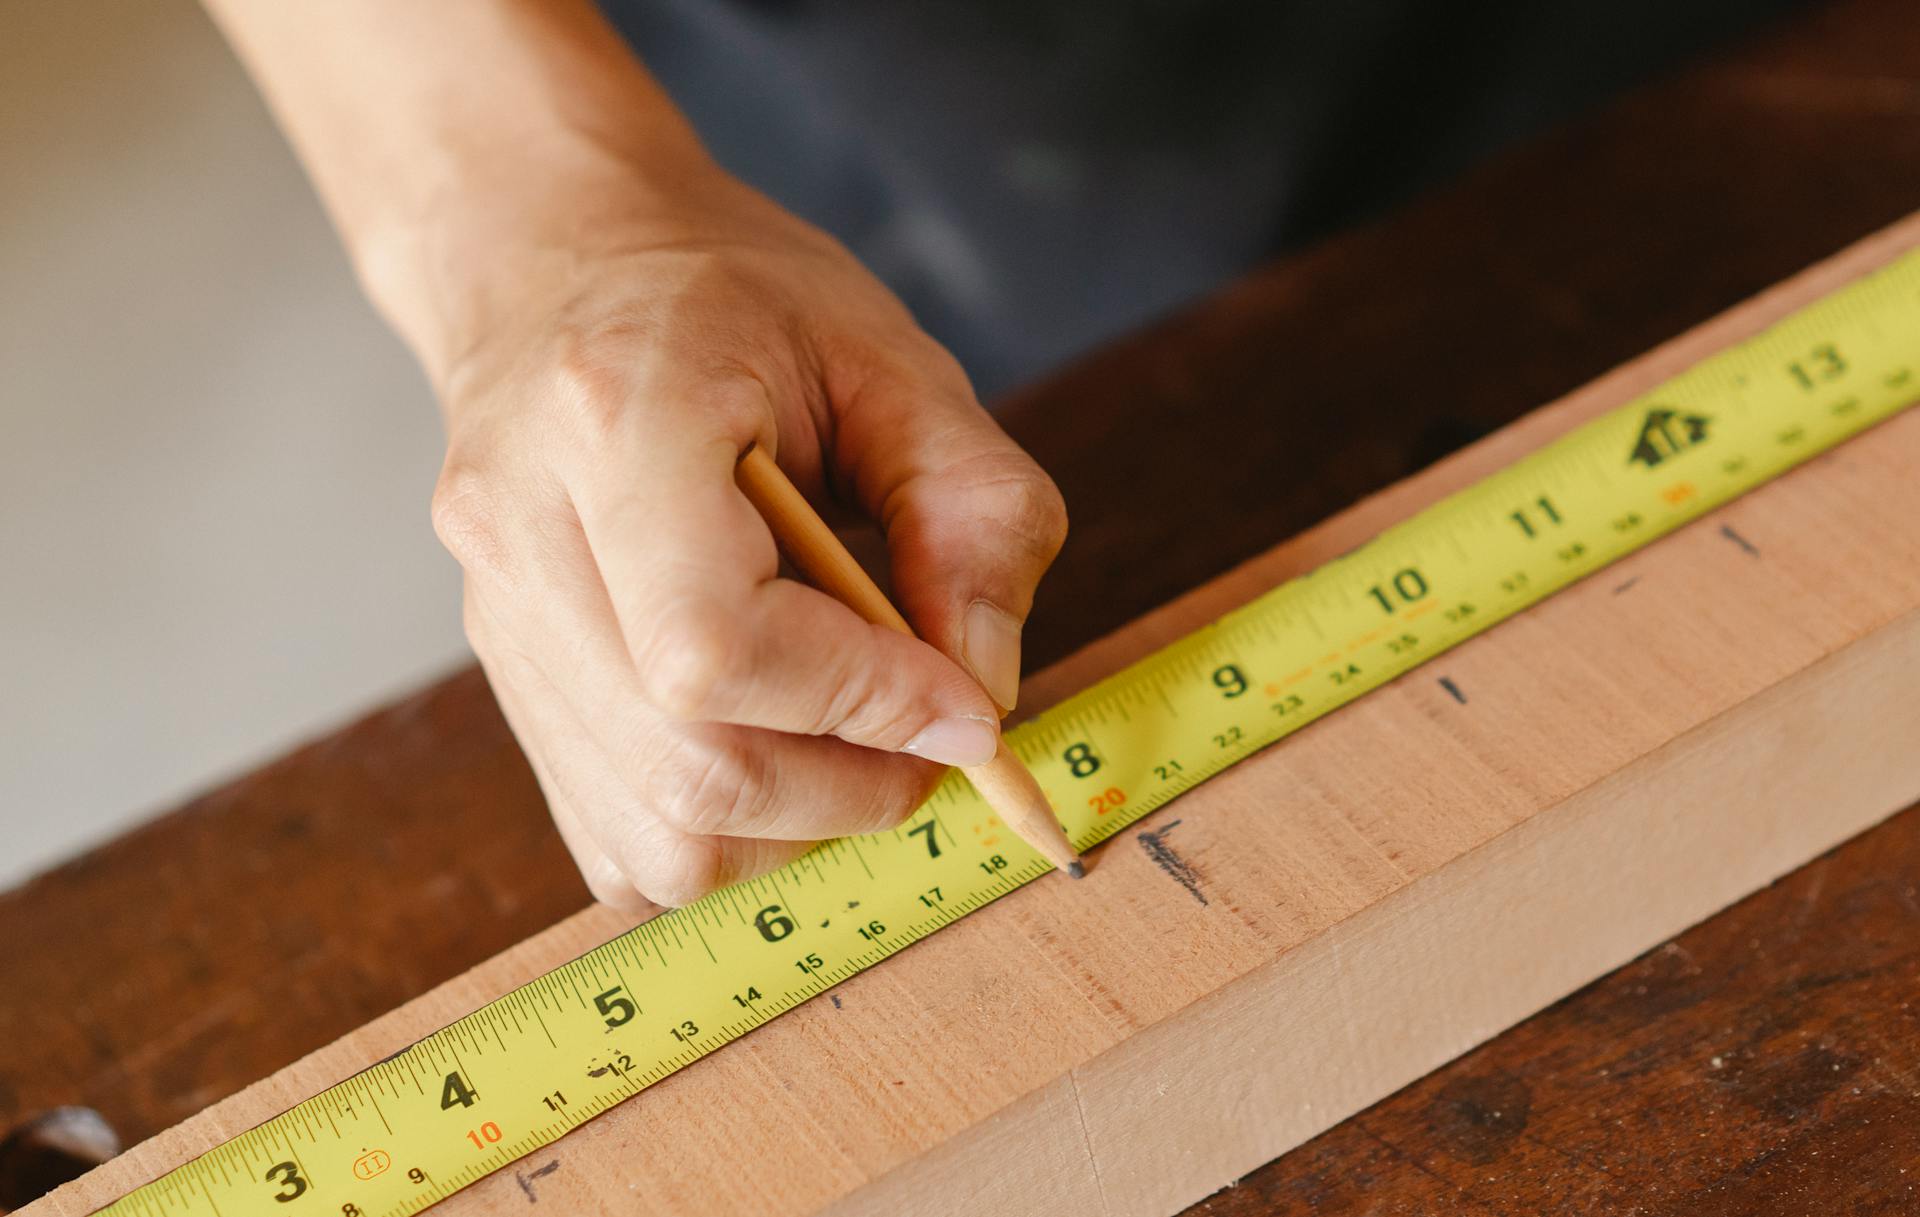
(1767, 1061)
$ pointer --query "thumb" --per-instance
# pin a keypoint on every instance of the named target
(972, 523)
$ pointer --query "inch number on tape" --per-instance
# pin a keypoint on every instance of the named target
(525, 1069)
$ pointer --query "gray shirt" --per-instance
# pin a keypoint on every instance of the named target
(1033, 176)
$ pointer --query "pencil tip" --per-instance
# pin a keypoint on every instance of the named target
(1076, 870)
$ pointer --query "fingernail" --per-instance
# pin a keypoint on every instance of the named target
(992, 650)
(956, 741)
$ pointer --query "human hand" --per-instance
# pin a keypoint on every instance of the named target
(692, 717)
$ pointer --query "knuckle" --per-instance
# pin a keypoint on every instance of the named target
(714, 790)
(1025, 504)
(468, 517)
(592, 376)
(685, 347)
(1039, 514)
(690, 662)
(942, 367)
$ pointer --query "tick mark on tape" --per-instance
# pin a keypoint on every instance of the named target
(525, 1180)
(1453, 690)
(1726, 530)
(1176, 867)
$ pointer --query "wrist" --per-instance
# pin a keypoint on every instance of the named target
(478, 235)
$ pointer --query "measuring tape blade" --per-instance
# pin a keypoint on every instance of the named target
(525, 1069)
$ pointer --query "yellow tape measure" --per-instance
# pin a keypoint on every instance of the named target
(521, 1071)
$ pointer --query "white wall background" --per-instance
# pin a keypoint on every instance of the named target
(214, 461)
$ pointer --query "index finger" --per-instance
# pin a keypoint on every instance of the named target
(691, 572)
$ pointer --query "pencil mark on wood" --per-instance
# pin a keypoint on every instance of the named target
(1624, 586)
(1453, 690)
(836, 1000)
(525, 1178)
(1726, 530)
(1176, 867)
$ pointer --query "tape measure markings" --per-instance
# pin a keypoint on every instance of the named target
(530, 1066)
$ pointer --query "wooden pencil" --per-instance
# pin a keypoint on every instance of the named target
(1004, 782)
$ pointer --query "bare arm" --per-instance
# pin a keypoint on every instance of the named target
(609, 320)
(441, 132)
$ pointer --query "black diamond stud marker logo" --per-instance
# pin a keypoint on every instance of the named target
(1667, 433)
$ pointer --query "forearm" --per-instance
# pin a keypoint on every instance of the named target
(439, 132)
(610, 321)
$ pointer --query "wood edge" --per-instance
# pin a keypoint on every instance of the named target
(166, 1150)
(1466, 918)
(1385, 508)
(337, 1061)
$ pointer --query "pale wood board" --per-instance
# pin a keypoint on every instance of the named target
(1383, 890)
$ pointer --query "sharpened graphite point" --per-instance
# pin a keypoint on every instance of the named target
(1076, 870)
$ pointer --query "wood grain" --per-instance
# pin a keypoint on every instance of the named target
(1376, 894)
(282, 910)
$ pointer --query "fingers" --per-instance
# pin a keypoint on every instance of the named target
(699, 806)
(674, 868)
(693, 718)
(705, 777)
(605, 881)
(790, 659)
(713, 636)
(732, 781)
(972, 522)
(628, 856)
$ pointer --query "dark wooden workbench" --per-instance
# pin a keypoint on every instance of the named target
(1765, 1062)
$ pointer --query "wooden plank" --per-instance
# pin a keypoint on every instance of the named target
(290, 905)
(1381, 891)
